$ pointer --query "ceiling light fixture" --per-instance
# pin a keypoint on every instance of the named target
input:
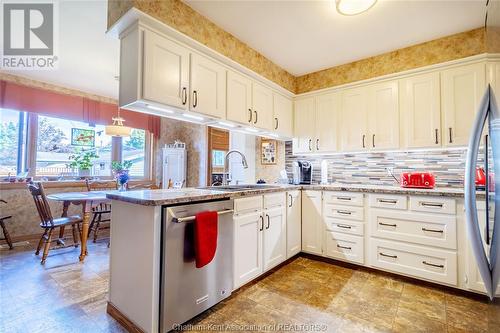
(117, 128)
(353, 7)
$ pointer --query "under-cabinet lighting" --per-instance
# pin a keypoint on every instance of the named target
(226, 124)
(152, 107)
(192, 116)
(253, 130)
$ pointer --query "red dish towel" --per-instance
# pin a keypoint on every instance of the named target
(205, 237)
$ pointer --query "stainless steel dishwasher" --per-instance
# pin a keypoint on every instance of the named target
(186, 291)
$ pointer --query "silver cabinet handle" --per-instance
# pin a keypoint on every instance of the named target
(344, 247)
(432, 204)
(250, 113)
(451, 136)
(291, 201)
(344, 198)
(393, 202)
(344, 212)
(317, 144)
(277, 123)
(195, 98)
(363, 140)
(388, 224)
(388, 255)
(268, 221)
(431, 264)
(256, 116)
(432, 230)
(262, 223)
(437, 141)
(184, 96)
(343, 226)
(373, 140)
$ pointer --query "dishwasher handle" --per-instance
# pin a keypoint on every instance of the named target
(191, 218)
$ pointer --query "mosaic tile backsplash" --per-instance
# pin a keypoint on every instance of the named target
(371, 168)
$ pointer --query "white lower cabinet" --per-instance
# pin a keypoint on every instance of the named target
(312, 224)
(259, 236)
(412, 260)
(293, 223)
(344, 247)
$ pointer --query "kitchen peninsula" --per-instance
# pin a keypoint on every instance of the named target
(373, 226)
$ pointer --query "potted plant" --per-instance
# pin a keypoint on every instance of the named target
(120, 171)
(83, 160)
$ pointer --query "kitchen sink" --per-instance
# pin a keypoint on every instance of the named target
(242, 187)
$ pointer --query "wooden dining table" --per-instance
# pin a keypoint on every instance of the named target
(87, 200)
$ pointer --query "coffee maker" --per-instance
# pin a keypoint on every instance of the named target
(302, 172)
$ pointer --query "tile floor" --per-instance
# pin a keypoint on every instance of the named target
(306, 295)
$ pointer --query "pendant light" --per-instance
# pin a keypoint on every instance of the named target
(117, 128)
(353, 7)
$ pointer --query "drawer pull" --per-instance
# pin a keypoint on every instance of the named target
(344, 198)
(393, 202)
(344, 212)
(344, 247)
(344, 226)
(388, 224)
(388, 255)
(431, 204)
(432, 230)
(433, 265)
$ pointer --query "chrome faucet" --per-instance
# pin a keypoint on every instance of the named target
(225, 180)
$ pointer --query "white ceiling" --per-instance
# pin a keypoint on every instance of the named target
(307, 36)
(88, 58)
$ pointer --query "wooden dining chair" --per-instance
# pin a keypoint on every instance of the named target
(6, 235)
(102, 211)
(47, 222)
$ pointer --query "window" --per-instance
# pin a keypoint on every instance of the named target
(134, 150)
(218, 158)
(12, 142)
(61, 141)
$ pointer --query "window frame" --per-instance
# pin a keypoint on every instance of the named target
(29, 154)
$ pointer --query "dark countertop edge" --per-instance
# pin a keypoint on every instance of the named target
(443, 192)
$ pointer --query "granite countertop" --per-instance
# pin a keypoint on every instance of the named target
(186, 195)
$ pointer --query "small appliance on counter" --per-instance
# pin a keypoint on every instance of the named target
(417, 180)
(302, 173)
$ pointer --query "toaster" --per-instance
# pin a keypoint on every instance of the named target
(417, 180)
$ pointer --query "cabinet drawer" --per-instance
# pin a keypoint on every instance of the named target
(412, 260)
(433, 204)
(425, 229)
(246, 205)
(274, 200)
(343, 198)
(388, 201)
(344, 226)
(345, 247)
(344, 212)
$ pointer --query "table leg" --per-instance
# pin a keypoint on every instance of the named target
(85, 229)
(60, 240)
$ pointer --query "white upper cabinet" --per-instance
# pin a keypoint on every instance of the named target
(239, 98)
(354, 119)
(304, 125)
(208, 87)
(283, 115)
(262, 106)
(326, 120)
(493, 77)
(383, 116)
(420, 110)
(461, 90)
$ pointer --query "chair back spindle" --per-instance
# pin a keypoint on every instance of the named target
(41, 203)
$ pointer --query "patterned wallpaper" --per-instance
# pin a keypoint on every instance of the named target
(444, 49)
(180, 16)
(370, 168)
